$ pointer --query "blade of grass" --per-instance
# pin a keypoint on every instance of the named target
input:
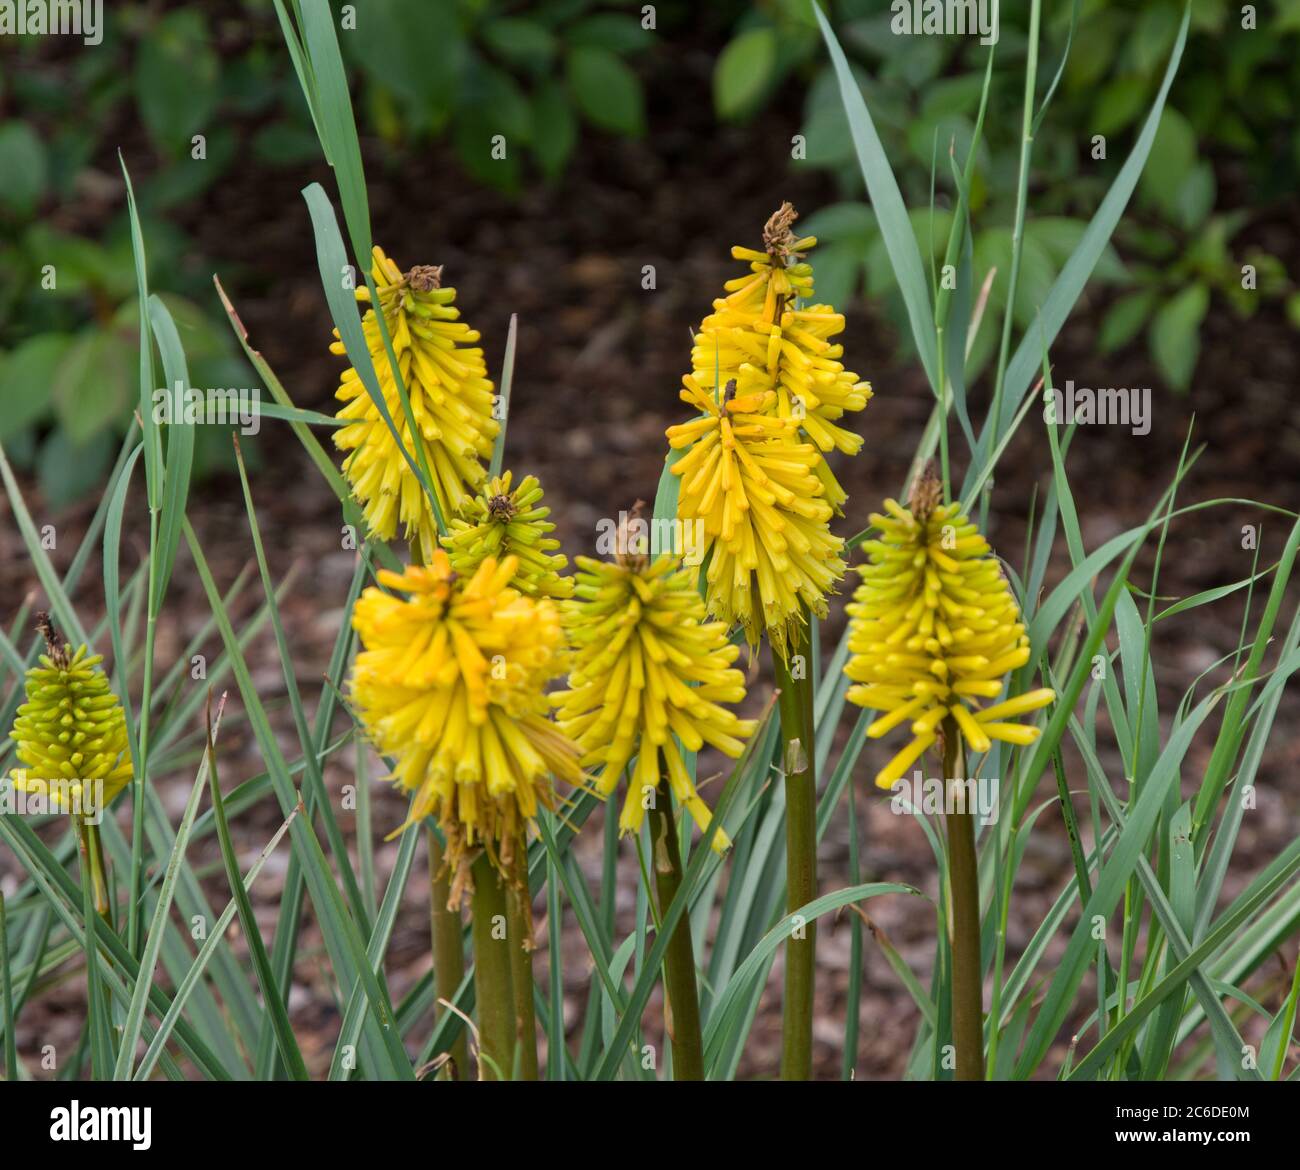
(347, 952)
(272, 996)
(153, 940)
(192, 978)
(887, 200)
(503, 397)
(7, 997)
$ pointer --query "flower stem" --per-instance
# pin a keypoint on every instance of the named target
(795, 701)
(520, 935)
(492, 979)
(448, 947)
(964, 920)
(92, 855)
(681, 997)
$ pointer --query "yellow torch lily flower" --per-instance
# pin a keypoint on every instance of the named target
(648, 667)
(500, 522)
(754, 485)
(766, 335)
(450, 684)
(451, 401)
(71, 733)
(934, 631)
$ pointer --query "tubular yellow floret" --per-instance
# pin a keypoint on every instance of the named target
(451, 400)
(934, 629)
(648, 667)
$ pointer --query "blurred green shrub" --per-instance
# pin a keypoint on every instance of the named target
(186, 92)
(69, 372)
(1233, 103)
(476, 69)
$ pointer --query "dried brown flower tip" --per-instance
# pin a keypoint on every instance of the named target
(927, 492)
(778, 239)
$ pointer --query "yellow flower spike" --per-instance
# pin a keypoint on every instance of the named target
(932, 585)
(450, 683)
(648, 666)
(501, 522)
(451, 401)
(753, 485)
(765, 335)
(70, 735)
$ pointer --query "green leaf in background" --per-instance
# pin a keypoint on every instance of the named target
(285, 143)
(609, 30)
(1124, 319)
(93, 383)
(78, 263)
(518, 41)
(67, 472)
(1175, 334)
(1118, 105)
(743, 71)
(23, 165)
(607, 92)
(840, 221)
(26, 380)
(1037, 272)
(1061, 236)
(177, 80)
(839, 272)
(1173, 155)
(415, 50)
(555, 129)
(1194, 200)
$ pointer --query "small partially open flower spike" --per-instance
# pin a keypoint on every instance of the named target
(500, 522)
(451, 401)
(934, 631)
(648, 666)
(450, 684)
(765, 335)
(70, 735)
(753, 483)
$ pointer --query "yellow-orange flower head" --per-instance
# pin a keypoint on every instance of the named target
(500, 522)
(934, 631)
(753, 483)
(766, 335)
(648, 667)
(70, 735)
(450, 684)
(451, 401)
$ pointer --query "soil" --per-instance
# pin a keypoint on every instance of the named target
(598, 364)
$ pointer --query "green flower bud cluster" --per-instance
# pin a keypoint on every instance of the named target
(500, 523)
(71, 731)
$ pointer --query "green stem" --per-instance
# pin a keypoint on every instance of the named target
(92, 856)
(492, 979)
(448, 947)
(964, 923)
(681, 997)
(520, 933)
(795, 701)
